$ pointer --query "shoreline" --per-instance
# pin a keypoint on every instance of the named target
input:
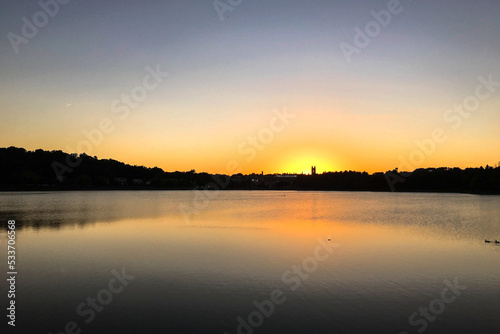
(130, 188)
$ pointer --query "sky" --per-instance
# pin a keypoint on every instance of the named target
(250, 86)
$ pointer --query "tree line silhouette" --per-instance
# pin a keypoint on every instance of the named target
(35, 170)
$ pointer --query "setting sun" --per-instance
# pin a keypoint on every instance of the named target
(301, 162)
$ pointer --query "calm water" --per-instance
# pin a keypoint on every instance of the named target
(333, 262)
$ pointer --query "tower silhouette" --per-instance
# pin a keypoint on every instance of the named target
(313, 170)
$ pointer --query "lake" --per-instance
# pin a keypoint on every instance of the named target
(253, 262)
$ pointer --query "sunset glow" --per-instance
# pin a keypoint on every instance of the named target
(250, 167)
(194, 99)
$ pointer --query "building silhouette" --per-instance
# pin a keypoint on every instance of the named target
(313, 170)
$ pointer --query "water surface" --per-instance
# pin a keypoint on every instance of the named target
(381, 257)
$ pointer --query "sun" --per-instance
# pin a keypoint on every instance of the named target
(302, 162)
